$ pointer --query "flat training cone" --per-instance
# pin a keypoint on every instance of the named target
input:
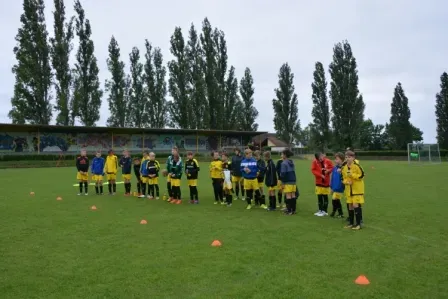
(143, 221)
(93, 208)
(362, 280)
(58, 198)
(216, 243)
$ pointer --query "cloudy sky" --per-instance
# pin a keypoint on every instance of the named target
(393, 41)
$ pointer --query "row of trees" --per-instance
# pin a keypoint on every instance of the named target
(204, 91)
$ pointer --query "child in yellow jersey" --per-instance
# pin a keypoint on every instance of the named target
(110, 169)
(227, 184)
(217, 180)
(353, 179)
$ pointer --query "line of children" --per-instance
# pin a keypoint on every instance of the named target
(192, 171)
(321, 168)
(97, 170)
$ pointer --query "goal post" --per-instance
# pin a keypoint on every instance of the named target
(423, 153)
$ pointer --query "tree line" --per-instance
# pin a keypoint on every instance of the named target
(204, 90)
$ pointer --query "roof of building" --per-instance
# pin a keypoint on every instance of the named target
(99, 130)
(270, 137)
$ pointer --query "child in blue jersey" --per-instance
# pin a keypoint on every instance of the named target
(144, 173)
(97, 170)
(249, 169)
(336, 185)
(289, 182)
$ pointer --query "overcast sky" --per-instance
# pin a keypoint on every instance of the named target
(393, 41)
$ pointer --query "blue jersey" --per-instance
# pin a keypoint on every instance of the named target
(144, 167)
(98, 166)
(126, 165)
(336, 180)
(252, 165)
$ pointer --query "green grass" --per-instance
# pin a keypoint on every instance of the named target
(62, 249)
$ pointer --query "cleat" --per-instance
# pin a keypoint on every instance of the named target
(192, 201)
(196, 202)
(215, 203)
(229, 205)
(263, 207)
(157, 198)
(317, 213)
(340, 216)
(249, 207)
(141, 196)
(223, 203)
(271, 209)
(356, 227)
(178, 202)
(79, 194)
(348, 226)
(86, 194)
(174, 201)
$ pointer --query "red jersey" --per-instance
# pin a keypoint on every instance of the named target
(319, 168)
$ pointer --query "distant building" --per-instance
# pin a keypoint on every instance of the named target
(269, 140)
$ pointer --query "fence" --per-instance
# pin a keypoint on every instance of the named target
(70, 140)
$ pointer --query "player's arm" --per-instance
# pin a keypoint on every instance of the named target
(329, 167)
(196, 164)
(316, 170)
(157, 166)
(283, 171)
(116, 164)
(78, 164)
(105, 166)
(357, 173)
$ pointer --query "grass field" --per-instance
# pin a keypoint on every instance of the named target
(62, 249)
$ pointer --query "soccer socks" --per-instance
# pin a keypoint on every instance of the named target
(97, 189)
(114, 186)
(127, 188)
(139, 190)
(151, 190)
(325, 203)
(249, 195)
(176, 192)
(272, 202)
(351, 216)
(334, 204)
(293, 205)
(191, 192)
(242, 190)
(80, 187)
(280, 195)
(110, 187)
(339, 207)
(358, 215)
(157, 190)
(86, 187)
(168, 187)
(229, 199)
(143, 189)
(237, 190)
(195, 191)
(320, 202)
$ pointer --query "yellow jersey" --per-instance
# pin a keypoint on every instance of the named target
(216, 169)
(353, 179)
(111, 165)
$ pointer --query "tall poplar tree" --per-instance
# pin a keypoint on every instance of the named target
(286, 110)
(232, 102)
(31, 100)
(181, 111)
(248, 112)
(442, 112)
(210, 70)
(346, 101)
(137, 113)
(198, 99)
(116, 87)
(320, 128)
(87, 91)
(158, 101)
(400, 128)
(220, 74)
(61, 47)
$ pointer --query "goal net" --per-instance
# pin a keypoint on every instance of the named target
(424, 153)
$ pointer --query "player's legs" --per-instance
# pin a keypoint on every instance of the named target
(236, 184)
(241, 184)
(351, 212)
(156, 187)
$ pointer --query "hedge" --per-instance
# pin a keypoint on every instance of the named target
(443, 153)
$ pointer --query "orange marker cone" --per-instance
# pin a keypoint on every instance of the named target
(93, 208)
(31, 193)
(58, 198)
(362, 280)
(143, 221)
(216, 243)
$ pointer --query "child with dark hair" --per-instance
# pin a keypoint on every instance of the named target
(216, 175)
(270, 180)
(289, 182)
(337, 188)
(321, 168)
